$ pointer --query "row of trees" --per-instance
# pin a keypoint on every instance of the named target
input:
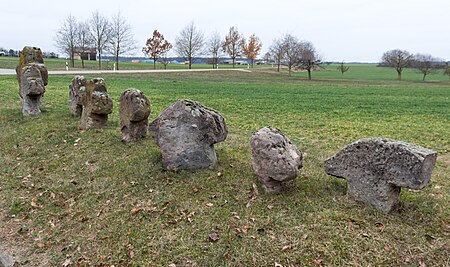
(111, 35)
(295, 54)
(423, 63)
(191, 43)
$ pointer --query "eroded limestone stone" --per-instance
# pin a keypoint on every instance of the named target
(377, 168)
(186, 133)
(76, 90)
(134, 111)
(96, 105)
(275, 160)
(32, 55)
(32, 76)
(31, 89)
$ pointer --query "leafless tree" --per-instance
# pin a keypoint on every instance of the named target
(156, 46)
(189, 43)
(232, 44)
(83, 41)
(309, 58)
(342, 68)
(277, 52)
(100, 32)
(291, 52)
(66, 38)
(397, 59)
(164, 59)
(121, 37)
(214, 47)
(426, 64)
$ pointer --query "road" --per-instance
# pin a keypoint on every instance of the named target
(83, 72)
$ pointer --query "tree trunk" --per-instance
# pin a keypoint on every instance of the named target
(399, 75)
(117, 61)
(72, 59)
(279, 63)
(424, 75)
(233, 61)
(82, 62)
(154, 63)
(253, 62)
(99, 59)
(309, 74)
(190, 62)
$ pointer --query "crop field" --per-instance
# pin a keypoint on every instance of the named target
(84, 198)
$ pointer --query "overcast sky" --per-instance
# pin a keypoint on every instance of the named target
(350, 30)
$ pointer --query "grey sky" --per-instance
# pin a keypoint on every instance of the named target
(350, 30)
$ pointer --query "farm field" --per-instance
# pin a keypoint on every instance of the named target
(60, 64)
(86, 198)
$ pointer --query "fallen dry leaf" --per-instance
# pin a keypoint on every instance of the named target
(287, 247)
(255, 189)
(209, 205)
(135, 210)
(213, 237)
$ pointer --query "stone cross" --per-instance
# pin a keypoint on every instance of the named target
(377, 168)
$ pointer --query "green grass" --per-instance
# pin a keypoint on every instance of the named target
(60, 64)
(76, 199)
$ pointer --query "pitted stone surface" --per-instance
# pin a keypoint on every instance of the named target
(134, 111)
(76, 90)
(96, 105)
(32, 55)
(32, 76)
(376, 169)
(31, 89)
(186, 133)
(275, 160)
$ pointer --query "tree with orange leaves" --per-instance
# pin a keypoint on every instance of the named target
(156, 46)
(252, 49)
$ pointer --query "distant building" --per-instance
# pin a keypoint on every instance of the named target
(89, 54)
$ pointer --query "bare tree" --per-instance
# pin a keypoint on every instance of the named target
(100, 32)
(252, 49)
(277, 52)
(189, 43)
(156, 46)
(121, 37)
(426, 64)
(397, 59)
(83, 41)
(214, 47)
(342, 68)
(232, 44)
(66, 38)
(164, 60)
(291, 52)
(309, 58)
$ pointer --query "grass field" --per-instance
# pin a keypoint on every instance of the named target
(60, 64)
(88, 198)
